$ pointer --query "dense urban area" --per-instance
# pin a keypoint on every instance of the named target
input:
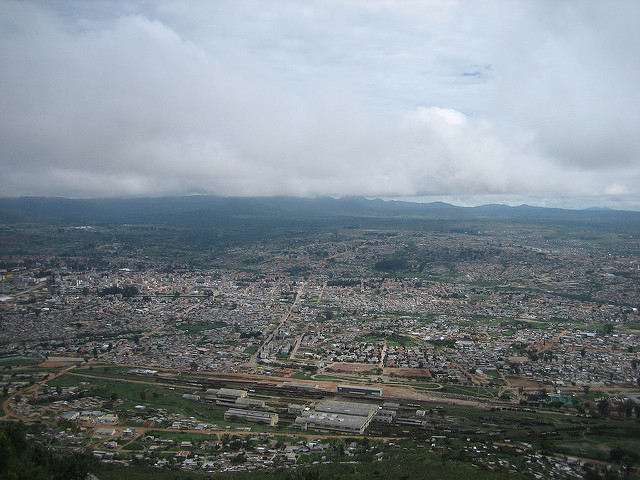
(489, 348)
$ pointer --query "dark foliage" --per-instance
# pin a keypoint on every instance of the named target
(22, 458)
(391, 264)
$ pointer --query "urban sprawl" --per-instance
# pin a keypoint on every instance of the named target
(280, 350)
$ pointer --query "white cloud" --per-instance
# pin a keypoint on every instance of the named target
(306, 98)
(568, 71)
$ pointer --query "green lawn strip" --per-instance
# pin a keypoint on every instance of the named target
(471, 391)
(31, 370)
(136, 445)
(335, 378)
(302, 376)
(107, 371)
(18, 362)
(89, 376)
(426, 386)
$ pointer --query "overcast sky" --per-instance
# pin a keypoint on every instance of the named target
(466, 101)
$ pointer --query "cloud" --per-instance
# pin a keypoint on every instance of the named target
(305, 98)
(568, 71)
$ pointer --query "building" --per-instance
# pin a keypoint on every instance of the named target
(347, 417)
(253, 416)
(384, 416)
(70, 415)
(295, 409)
(189, 396)
(107, 418)
(244, 402)
(559, 398)
(231, 393)
(360, 390)
(347, 408)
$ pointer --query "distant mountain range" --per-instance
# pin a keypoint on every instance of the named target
(203, 210)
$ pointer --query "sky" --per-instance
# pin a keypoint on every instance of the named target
(463, 101)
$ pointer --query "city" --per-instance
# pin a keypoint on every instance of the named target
(302, 348)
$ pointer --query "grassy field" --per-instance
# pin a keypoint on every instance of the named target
(471, 391)
(18, 362)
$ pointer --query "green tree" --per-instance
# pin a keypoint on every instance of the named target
(607, 328)
(604, 407)
(22, 458)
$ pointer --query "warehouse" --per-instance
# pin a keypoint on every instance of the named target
(347, 417)
(249, 403)
(360, 390)
(230, 393)
(254, 416)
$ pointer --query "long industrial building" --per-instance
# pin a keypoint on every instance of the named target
(347, 417)
(360, 390)
(254, 416)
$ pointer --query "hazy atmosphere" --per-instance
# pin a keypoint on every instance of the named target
(470, 102)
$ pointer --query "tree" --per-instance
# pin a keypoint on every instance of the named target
(616, 454)
(21, 457)
(604, 407)
(240, 458)
(607, 328)
(303, 474)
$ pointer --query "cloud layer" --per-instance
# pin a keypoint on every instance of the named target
(332, 98)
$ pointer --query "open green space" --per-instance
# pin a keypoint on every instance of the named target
(336, 378)
(470, 391)
(18, 362)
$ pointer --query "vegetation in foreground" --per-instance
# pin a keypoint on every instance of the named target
(24, 458)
